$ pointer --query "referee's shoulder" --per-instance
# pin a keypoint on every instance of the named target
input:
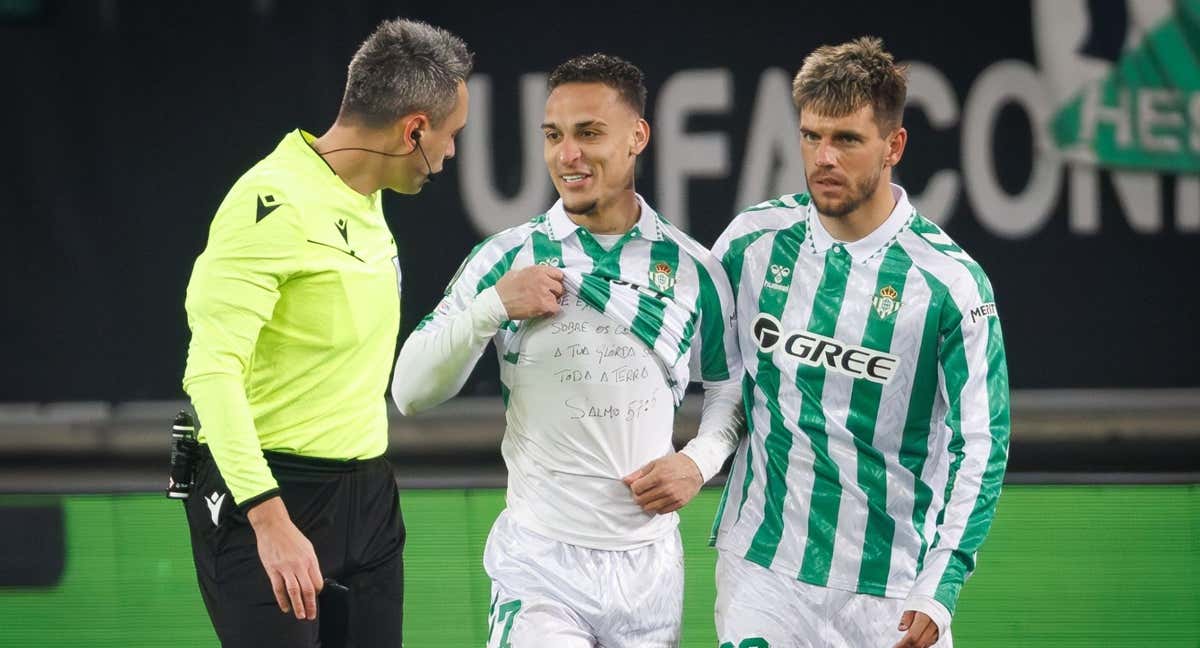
(269, 195)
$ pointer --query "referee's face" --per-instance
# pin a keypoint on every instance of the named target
(592, 140)
(437, 142)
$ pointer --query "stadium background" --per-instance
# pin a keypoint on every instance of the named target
(127, 121)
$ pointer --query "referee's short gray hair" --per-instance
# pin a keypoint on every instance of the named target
(404, 66)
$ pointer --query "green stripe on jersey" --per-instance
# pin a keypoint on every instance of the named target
(649, 319)
(493, 275)
(713, 364)
(546, 251)
(486, 281)
(810, 382)
(747, 403)
(606, 265)
(778, 441)
(735, 255)
(862, 422)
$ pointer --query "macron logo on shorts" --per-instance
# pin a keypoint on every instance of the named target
(214, 503)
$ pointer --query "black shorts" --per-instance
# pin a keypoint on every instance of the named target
(349, 511)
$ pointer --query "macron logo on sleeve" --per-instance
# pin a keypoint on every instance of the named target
(266, 205)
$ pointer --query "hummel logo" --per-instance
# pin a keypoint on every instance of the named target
(214, 505)
(779, 275)
(341, 227)
(266, 205)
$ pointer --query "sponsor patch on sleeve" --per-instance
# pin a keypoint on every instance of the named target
(983, 311)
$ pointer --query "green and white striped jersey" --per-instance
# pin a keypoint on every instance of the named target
(589, 392)
(877, 403)
(669, 290)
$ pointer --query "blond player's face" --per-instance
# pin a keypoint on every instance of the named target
(592, 139)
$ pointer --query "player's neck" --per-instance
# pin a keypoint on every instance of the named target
(617, 216)
(362, 171)
(867, 218)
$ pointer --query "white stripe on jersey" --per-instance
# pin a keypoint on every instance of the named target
(852, 514)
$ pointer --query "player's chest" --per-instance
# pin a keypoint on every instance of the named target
(582, 345)
(860, 319)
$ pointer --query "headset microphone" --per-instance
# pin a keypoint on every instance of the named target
(416, 138)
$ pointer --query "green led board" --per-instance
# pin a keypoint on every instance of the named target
(1064, 566)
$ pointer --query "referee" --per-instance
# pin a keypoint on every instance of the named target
(294, 308)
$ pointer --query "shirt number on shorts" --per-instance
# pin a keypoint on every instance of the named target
(506, 614)
(752, 642)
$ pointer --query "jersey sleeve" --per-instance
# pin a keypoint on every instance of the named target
(973, 380)
(439, 355)
(730, 248)
(482, 268)
(715, 356)
(252, 251)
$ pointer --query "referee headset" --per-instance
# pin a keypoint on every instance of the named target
(416, 139)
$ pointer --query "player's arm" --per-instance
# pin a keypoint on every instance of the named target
(437, 358)
(232, 292)
(718, 362)
(667, 484)
(974, 382)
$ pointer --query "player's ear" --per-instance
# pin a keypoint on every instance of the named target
(896, 143)
(641, 137)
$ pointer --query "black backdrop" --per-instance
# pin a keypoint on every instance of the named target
(125, 123)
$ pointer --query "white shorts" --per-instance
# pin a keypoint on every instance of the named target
(548, 593)
(759, 608)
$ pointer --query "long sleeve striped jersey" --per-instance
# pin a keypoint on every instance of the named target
(590, 392)
(877, 401)
(668, 290)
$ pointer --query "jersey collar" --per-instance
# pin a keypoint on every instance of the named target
(867, 246)
(302, 141)
(561, 226)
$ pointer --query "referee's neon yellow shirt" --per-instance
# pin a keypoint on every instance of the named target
(294, 308)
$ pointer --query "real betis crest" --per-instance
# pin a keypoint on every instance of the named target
(661, 277)
(886, 302)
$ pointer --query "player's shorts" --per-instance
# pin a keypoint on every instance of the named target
(348, 510)
(759, 608)
(549, 593)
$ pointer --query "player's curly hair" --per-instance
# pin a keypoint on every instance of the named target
(837, 80)
(612, 71)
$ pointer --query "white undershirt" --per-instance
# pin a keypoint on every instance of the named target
(588, 404)
(607, 241)
(566, 472)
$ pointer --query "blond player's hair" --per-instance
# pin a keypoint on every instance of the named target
(837, 80)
